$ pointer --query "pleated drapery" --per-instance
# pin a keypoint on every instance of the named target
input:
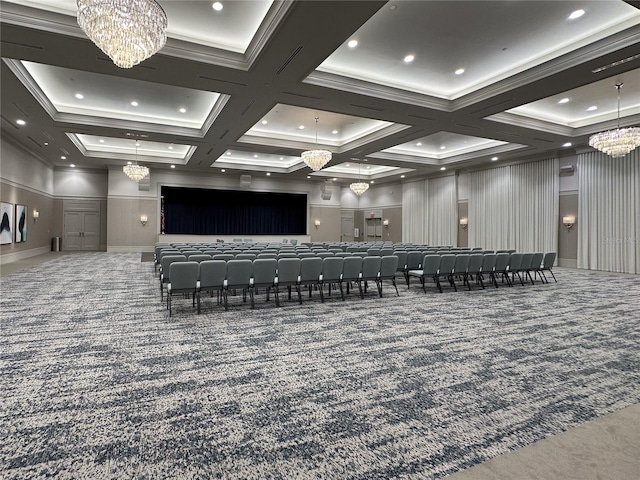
(442, 211)
(608, 212)
(413, 212)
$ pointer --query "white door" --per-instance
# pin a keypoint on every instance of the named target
(90, 231)
(346, 229)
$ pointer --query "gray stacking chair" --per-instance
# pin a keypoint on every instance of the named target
(502, 268)
(212, 276)
(370, 271)
(324, 254)
(414, 262)
(293, 241)
(306, 255)
(223, 256)
(386, 251)
(291, 254)
(184, 280)
(447, 262)
(547, 264)
(475, 268)
(430, 265)
(199, 257)
(247, 256)
(351, 271)
(267, 255)
(460, 268)
(402, 260)
(536, 263)
(310, 270)
(264, 276)
(288, 275)
(388, 270)
(165, 275)
(238, 277)
(488, 266)
(373, 252)
(525, 268)
(515, 263)
(331, 275)
(165, 252)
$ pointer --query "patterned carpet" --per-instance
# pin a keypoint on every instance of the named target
(99, 383)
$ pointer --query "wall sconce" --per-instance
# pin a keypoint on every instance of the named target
(143, 220)
(464, 222)
(385, 223)
(569, 221)
(316, 223)
(36, 215)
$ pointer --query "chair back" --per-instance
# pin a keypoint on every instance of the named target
(431, 264)
(475, 263)
(388, 266)
(527, 259)
(502, 262)
(373, 252)
(248, 256)
(488, 262)
(239, 273)
(291, 254)
(166, 265)
(370, 267)
(402, 259)
(414, 259)
(306, 255)
(386, 251)
(536, 261)
(310, 269)
(324, 254)
(549, 260)
(223, 256)
(293, 241)
(212, 274)
(288, 271)
(515, 262)
(447, 262)
(461, 264)
(184, 276)
(264, 272)
(351, 268)
(352, 248)
(199, 257)
(332, 269)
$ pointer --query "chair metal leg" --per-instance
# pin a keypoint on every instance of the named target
(321, 293)
(393, 280)
(225, 293)
(554, 277)
(251, 297)
(276, 293)
(169, 302)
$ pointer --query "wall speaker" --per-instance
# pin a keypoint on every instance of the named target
(144, 185)
(245, 180)
(326, 189)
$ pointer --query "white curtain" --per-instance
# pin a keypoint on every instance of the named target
(489, 197)
(413, 212)
(442, 211)
(515, 207)
(608, 212)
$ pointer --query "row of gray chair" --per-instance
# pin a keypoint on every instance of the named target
(218, 276)
(503, 266)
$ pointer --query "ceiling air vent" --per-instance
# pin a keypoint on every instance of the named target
(289, 60)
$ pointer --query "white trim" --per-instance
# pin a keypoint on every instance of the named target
(130, 249)
(11, 183)
(22, 254)
(568, 262)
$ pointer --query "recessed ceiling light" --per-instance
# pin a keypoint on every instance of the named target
(402, 176)
(459, 71)
(72, 165)
(493, 159)
(335, 179)
(281, 158)
(228, 153)
(419, 144)
(352, 43)
(217, 6)
(563, 100)
(592, 108)
(443, 168)
(409, 59)
(368, 167)
(46, 144)
(268, 174)
(129, 163)
(264, 122)
(137, 144)
(173, 166)
(134, 104)
(443, 147)
(183, 110)
(335, 132)
(301, 127)
(308, 176)
(170, 147)
(101, 140)
(372, 181)
(21, 122)
(255, 156)
(347, 165)
(79, 96)
(567, 144)
(223, 170)
(63, 157)
(576, 14)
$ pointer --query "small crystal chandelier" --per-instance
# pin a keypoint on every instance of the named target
(359, 187)
(316, 159)
(134, 171)
(128, 31)
(618, 142)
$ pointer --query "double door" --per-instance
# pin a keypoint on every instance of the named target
(81, 231)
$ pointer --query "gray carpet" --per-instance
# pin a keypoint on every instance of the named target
(98, 382)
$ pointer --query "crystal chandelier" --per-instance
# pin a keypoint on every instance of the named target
(134, 171)
(128, 31)
(618, 142)
(316, 159)
(359, 187)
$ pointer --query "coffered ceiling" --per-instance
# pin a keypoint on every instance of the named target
(400, 89)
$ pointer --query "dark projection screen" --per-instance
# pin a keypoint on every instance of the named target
(228, 212)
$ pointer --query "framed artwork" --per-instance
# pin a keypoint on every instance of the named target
(6, 223)
(21, 223)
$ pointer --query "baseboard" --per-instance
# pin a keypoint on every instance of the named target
(130, 249)
(568, 262)
(22, 254)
